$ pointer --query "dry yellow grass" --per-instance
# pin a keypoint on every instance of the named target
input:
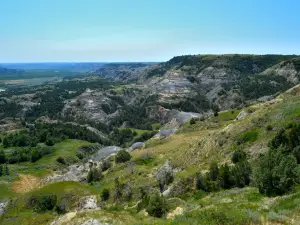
(25, 183)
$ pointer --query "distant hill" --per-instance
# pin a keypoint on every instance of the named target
(122, 71)
(6, 71)
(227, 81)
(86, 66)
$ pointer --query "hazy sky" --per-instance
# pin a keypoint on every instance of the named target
(144, 30)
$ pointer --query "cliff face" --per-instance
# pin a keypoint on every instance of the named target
(227, 81)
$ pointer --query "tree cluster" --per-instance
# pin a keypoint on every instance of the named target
(279, 169)
(225, 176)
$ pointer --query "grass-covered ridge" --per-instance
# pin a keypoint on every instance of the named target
(191, 152)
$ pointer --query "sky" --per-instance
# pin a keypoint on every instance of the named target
(144, 30)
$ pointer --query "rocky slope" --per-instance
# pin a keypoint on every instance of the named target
(225, 80)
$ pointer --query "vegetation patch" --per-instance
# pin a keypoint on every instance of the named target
(248, 136)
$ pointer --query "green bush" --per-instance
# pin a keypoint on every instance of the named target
(49, 142)
(278, 172)
(106, 164)
(201, 182)
(122, 156)
(46, 202)
(225, 176)
(105, 194)
(213, 171)
(35, 155)
(157, 206)
(240, 174)
(238, 156)
(193, 121)
(94, 175)
(2, 157)
(61, 160)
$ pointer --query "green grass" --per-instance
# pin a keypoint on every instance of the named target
(155, 126)
(226, 115)
(5, 189)
(288, 204)
(45, 165)
(220, 214)
(70, 187)
(138, 131)
(248, 136)
(118, 89)
(19, 213)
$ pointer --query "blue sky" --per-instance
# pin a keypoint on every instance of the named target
(144, 30)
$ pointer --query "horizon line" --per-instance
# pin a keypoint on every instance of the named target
(160, 61)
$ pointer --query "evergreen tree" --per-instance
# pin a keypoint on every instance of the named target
(2, 157)
(201, 183)
(94, 175)
(105, 194)
(238, 156)
(225, 176)
(157, 206)
(213, 171)
(278, 172)
(240, 174)
(122, 156)
(118, 190)
(35, 155)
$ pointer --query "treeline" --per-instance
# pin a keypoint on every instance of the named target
(244, 64)
(26, 154)
(256, 86)
(277, 171)
(136, 114)
(50, 134)
(9, 108)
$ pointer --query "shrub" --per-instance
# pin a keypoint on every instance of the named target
(2, 157)
(193, 121)
(277, 173)
(94, 175)
(61, 160)
(240, 174)
(49, 142)
(269, 128)
(157, 206)
(225, 176)
(122, 156)
(213, 171)
(200, 182)
(238, 156)
(35, 155)
(46, 202)
(106, 164)
(105, 195)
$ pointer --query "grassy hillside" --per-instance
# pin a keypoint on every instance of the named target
(195, 162)
(191, 150)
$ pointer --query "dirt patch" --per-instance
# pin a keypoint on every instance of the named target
(25, 183)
